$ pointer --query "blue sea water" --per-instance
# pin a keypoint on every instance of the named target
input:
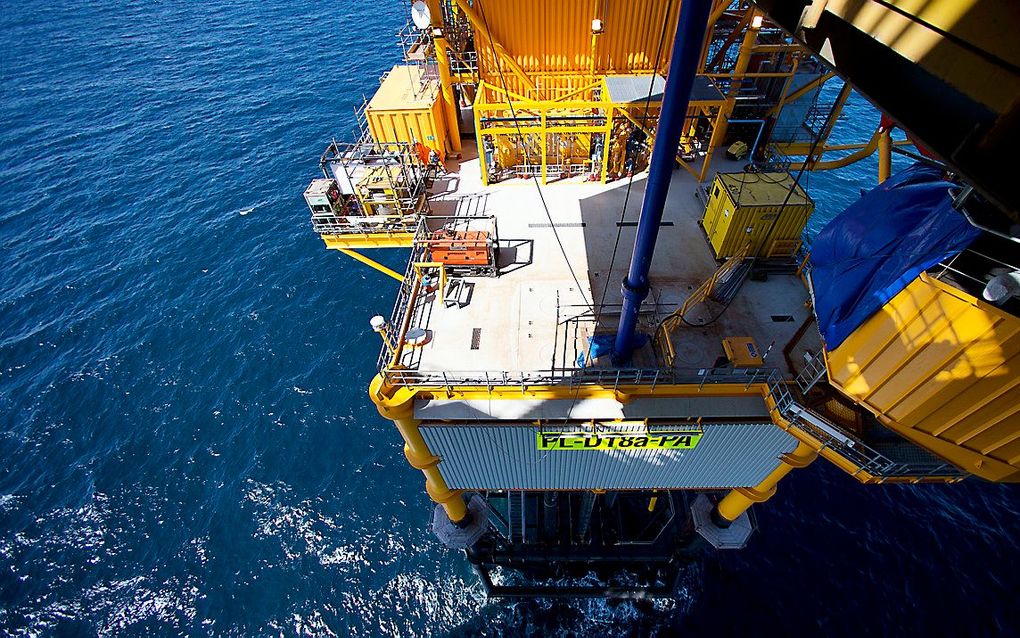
(186, 446)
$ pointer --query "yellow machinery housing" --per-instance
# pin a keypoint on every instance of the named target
(941, 368)
(407, 108)
(749, 207)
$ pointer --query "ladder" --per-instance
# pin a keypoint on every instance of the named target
(516, 516)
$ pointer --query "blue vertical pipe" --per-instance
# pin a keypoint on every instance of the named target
(683, 65)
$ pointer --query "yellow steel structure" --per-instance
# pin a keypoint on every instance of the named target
(884, 155)
(739, 71)
(397, 404)
(488, 42)
(381, 239)
(372, 263)
(539, 36)
(982, 31)
(408, 108)
(584, 98)
(386, 394)
(942, 369)
(450, 108)
(749, 207)
(741, 499)
(421, 266)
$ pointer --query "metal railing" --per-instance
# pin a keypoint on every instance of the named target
(464, 63)
(814, 371)
(848, 446)
(574, 377)
(663, 334)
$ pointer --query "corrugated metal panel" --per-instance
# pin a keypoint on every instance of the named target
(725, 407)
(497, 456)
(635, 88)
(555, 35)
(944, 368)
(402, 111)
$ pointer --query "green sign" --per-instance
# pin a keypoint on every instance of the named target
(617, 441)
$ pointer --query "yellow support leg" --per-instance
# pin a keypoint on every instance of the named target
(884, 155)
(741, 499)
(397, 404)
(372, 263)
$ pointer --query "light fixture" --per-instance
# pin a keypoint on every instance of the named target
(756, 22)
(596, 26)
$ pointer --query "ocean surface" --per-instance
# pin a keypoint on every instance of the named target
(186, 445)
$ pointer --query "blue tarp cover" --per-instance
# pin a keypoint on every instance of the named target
(873, 249)
(600, 345)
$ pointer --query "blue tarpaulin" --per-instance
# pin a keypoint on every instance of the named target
(873, 249)
(603, 344)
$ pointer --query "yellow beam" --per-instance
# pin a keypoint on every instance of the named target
(506, 93)
(369, 240)
(607, 136)
(775, 48)
(801, 148)
(593, 85)
(372, 263)
(841, 162)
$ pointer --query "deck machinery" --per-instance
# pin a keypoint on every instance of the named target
(580, 437)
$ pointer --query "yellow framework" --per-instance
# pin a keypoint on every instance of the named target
(504, 116)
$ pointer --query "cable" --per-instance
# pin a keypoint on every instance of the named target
(626, 200)
(775, 222)
(630, 181)
(619, 230)
(527, 156)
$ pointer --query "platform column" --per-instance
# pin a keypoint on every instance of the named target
(445, 77)
(884, 155)
(397, 404)
(740, 499)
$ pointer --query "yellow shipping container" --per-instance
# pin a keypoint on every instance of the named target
(408, 109)
(745, 207)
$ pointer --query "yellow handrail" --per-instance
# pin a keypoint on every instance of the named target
(700, 294)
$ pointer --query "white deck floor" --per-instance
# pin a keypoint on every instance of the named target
(517, 312)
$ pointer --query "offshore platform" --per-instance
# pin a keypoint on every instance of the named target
(612, 338)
